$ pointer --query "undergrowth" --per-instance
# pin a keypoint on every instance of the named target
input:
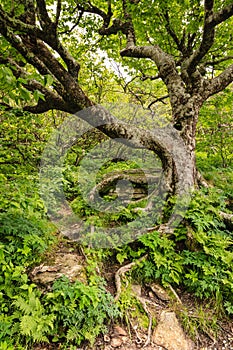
(68, 314)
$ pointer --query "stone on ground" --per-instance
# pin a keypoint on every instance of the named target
(169, 333)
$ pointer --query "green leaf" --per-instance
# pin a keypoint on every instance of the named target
(38, 95)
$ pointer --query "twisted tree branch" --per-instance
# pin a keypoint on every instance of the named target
(219, 83)
(52, 100)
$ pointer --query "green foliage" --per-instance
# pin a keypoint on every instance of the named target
(70, 313)
(23, 241)
(164, 262)
(24, 238)
(198, 258)
(215, 132)
(14, 92)
(34, 322)
(22, 140)
(80, 310)
(204, 319)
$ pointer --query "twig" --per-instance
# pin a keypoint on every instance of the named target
(145, 77)
(201, 181)
(224, 329)
(159, 99)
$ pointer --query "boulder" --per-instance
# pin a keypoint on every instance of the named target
(169, 333)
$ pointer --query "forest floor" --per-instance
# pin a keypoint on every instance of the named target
(184, 326)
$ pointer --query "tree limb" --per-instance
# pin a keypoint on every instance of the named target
(151, 77)
(48, 34)
(218, 83)
(118, 25)
(207, 40)
(220, 60)
(159, 99)
(211, 20)
(32, 57)
(89, 8)
(222, 15)
(129, 29)
(19, 24)
(52, 100)
(76, 23)
(167, 71)
(58, 12)
(45, 21)
(172, 33)
(29, 15)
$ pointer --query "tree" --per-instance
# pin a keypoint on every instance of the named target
(186, 43)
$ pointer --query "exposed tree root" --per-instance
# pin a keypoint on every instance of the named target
(139, 339)
(201, 181)
(123, 270)
(175, 294)
(149, 331)
(228, 219)
(163, 228)
(142, 301)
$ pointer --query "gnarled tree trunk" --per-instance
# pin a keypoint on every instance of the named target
(33, 34)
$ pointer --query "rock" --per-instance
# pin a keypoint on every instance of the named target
(66, 264)
(169, 333)
(119, 331)
(159, 292)
(116, 342)
(106, 338)
(139, 178)
(136, 289)
(124, 339)
(151, 295)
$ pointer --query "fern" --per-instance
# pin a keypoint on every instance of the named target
(6, 346)
(80, 309)
(34, 323)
